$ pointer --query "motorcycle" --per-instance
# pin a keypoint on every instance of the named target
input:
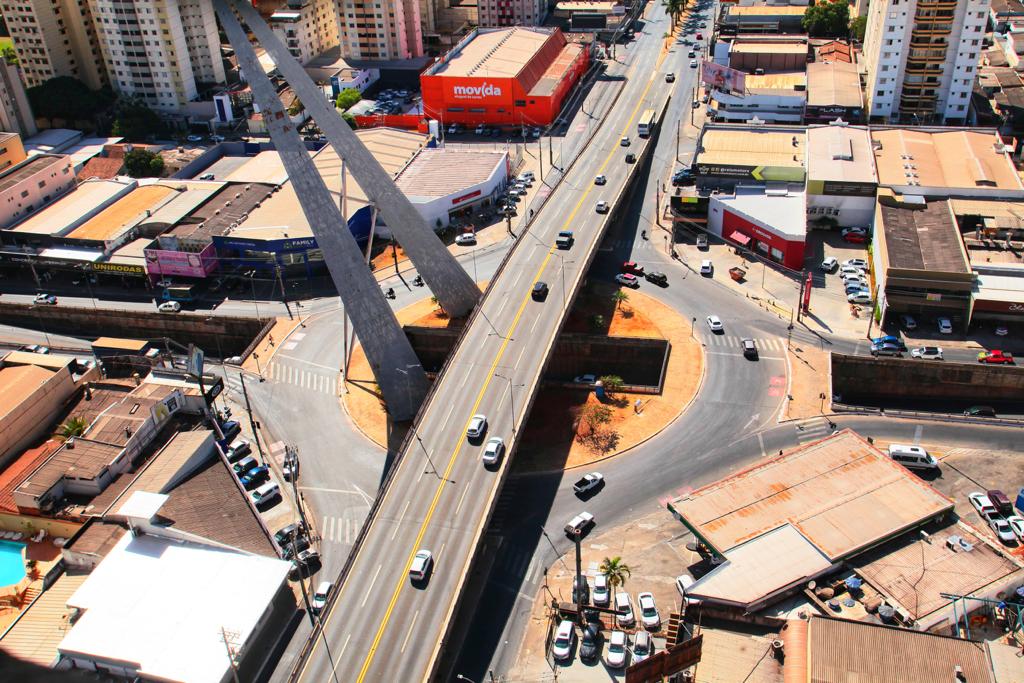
(390, 293)
(418, 281)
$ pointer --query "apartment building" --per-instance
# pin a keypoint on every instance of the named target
(32, 184)
(15, 111)
(54, 38)
(511, 12)
(11, 150)
(161, 51)
(920, 58)
(390, 29)
(308, 27)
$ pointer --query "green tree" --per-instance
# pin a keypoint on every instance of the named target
(347, 98)
(827, 19)
(674, 8)
(73, 426)
(9, 55)
(141, 163)
(135, 121)
(612, 384)
(619, 297)
(68, 98)
(594, 415)
(858, 27)
(350, 120)
(616, 571)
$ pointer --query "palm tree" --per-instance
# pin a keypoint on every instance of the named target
(619, 297)
(675, 8)
(74, 426)
(616, 571)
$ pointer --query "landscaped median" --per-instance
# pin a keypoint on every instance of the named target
(570, 426)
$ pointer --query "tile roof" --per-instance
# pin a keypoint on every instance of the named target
(101, 167)
(947, 158)
(17, 471)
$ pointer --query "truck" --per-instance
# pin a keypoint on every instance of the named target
(588, 482)
(179, 293)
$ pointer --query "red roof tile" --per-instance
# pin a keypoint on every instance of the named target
(101, 167)
(20, 469)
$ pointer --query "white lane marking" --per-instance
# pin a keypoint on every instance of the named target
(465, 490)
(370, 589)
(760, 440)
(340, 660)
(409, 632)
(917, 434)
(450, 410)
(398, 524)
(298, 336)
(333, 386)
(532, 569)
(348, 530)
(323, 527)
(289, 345)
(329, 529)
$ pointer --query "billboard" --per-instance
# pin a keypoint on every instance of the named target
(722, 77)
(477, 91)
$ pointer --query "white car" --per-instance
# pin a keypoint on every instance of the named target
(945, 326)
(602, 206)
(851, 270)
(982, 504)
(624, 608)
(643, 646)
(323, 591)
(683, 581)
(601, 595)
(616, 657)
(1016, 523)
(829, 265)
(693, 63)
(856, 263)
(600, 180)
(859, 298)
(585, 379)
(421, 563)
(648, 610)
(624, 142)
(1001, 528)
(926, 352)
(908, 322)
(565, 636)
(854, 274)
(466, 239)
(169, 307)
(715, 323)
(527, 175)
(477, 426)
(706, 267)
(493, 451)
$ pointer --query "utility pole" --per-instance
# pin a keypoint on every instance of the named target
(578, 581)
(252, 422)
(230, 641)
(657, 205)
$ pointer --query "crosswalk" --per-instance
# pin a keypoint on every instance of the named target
(518, 563)
(339, 530)
(314, 380)
(735, 342)
(812, 430)
(629, 243)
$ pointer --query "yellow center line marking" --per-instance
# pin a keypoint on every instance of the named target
(479, 399)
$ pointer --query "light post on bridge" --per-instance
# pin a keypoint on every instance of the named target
(511, 396)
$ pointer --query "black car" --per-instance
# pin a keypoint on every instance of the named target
(630, 158)
(590, 645)
(749, 349)
(284, 535)
(293, 547)
(657, 277)
(540, 291)
(683, 176)
(982, 411)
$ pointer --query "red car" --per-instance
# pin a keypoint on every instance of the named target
(855, 237)
(700, 36)
(632, 267)
(995, 356)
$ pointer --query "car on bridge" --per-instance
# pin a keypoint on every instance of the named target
(996, 357)
(624, 142)
(670, 77)
(419, 570)
(493, 450)
(477, 426)
(565, 239)
(600, 180)
(602, 206)
(47, 299)
(627, 280)
(926, 352)
(540, 291)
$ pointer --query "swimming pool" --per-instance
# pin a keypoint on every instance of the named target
(12, 564)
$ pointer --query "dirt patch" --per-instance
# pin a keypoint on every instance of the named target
(808, 382)
(261, 355)
(549, 439)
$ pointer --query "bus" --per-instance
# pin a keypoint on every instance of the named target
(179, 293)
(645, 126)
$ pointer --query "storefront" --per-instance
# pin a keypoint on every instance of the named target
(769, 224)
(264, 249)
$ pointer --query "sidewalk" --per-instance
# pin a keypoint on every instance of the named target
(258, 361)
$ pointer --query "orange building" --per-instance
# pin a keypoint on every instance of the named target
(507, 77)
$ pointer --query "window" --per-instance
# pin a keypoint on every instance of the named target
(959, 107)
(880, 93)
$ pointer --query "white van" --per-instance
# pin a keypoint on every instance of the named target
(323, 591)
(912, 457)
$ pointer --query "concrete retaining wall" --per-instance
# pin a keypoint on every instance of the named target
(638, 361)
(862, 378)
(221, 336)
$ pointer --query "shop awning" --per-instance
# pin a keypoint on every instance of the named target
(739, 238)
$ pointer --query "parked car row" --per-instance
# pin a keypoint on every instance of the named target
(997, 511)
(592, 636)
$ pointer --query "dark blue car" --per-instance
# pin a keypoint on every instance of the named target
(889, 339)
(255, 477)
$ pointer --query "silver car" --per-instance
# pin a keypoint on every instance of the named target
(493, 451)
(477, 426)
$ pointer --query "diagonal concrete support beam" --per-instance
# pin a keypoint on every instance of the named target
(453, 287)
(395, 366)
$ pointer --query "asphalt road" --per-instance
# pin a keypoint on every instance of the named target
(382, 626)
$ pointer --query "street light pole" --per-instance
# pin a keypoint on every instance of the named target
(252, 281)
(512, 398)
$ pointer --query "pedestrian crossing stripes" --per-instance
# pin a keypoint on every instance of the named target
(735, 342)
(339, 530)
(812, 430)
(307, 379)
(519, 563)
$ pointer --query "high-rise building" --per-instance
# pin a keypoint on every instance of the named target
(920, 58)
(161, 51)
(380, 30)
(511, 12)
(307, 27)
(15, 111)
(54, 38)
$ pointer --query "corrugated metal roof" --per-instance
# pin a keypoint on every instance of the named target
(842, 651)
(943, 158)
(752, 147)
(495, 53)
(840, 492)
(441, 172)
(39, 630)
